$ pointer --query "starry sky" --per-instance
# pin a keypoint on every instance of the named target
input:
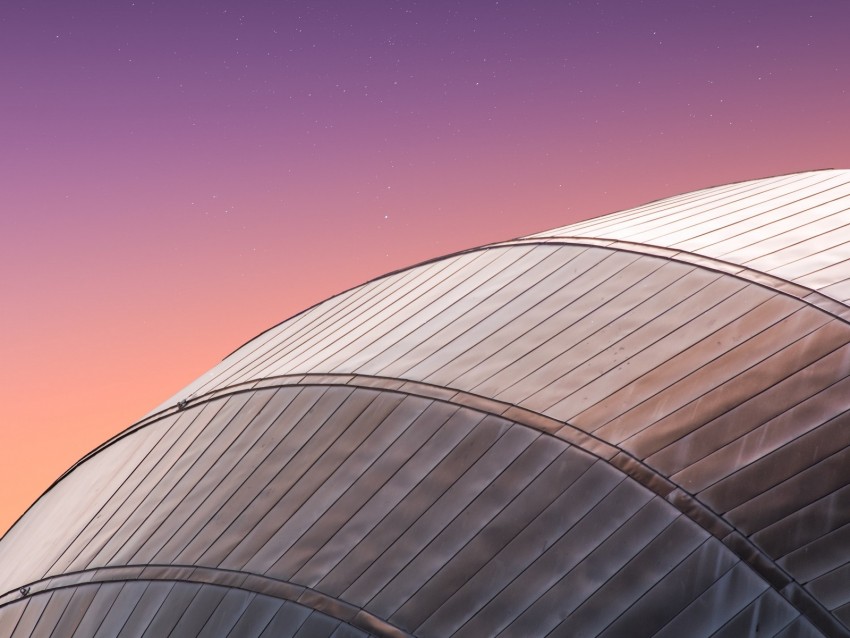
(175, 177)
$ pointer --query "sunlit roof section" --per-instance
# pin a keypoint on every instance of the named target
(794, 227)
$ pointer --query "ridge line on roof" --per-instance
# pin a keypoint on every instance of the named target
(809, 296)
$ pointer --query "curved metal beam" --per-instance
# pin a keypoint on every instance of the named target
(254, 583)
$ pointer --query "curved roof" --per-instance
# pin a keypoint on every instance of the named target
(576, 432)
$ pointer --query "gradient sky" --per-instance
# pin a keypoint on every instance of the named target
(176, 177)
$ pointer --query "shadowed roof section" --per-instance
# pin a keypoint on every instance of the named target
(634, 425)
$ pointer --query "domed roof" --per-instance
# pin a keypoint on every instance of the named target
(634, 425)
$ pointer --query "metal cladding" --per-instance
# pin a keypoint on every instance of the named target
(637, 425)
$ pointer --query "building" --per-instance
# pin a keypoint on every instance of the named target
(636, 425)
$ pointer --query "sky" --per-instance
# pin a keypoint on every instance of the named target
(176, 177)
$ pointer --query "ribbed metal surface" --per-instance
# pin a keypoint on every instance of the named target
(578, 433)
(796, 227)
(164, 608)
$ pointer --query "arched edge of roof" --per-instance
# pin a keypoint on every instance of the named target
(836, 309)
(807, 295)
(679, 498)
(245, 581)
(527, 236)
